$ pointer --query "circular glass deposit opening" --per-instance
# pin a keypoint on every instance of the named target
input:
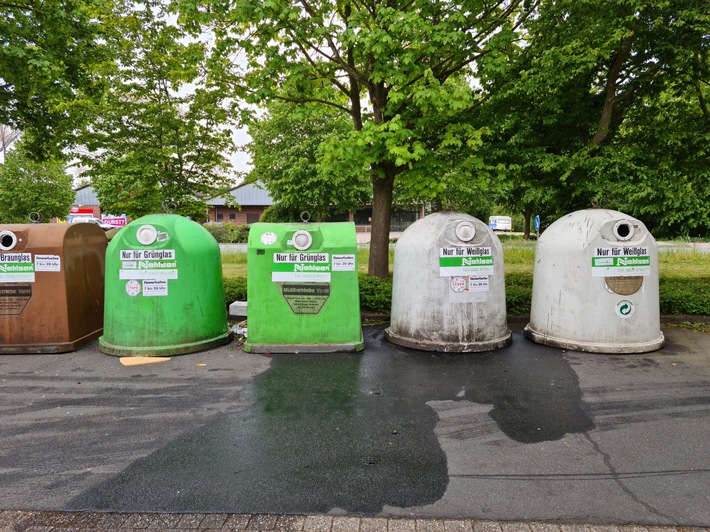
(8, 240)
(623, 230)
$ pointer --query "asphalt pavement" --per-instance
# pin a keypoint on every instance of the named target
(524, 438)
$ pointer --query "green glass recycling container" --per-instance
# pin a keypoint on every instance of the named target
(302, 288)
(164, 290)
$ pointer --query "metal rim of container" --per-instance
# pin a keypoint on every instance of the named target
(465, 231)
(302, 240)
(146, 234)
(8, 240)
(624, 230)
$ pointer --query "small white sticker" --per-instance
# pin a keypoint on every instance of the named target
(343, 263)
(478, 283)
(133, 288)
(48, 263)
(268, 238)
(155, 287)
(625, 308)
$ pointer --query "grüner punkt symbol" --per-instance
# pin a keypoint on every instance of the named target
(625, 308)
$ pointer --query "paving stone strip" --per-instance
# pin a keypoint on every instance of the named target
(37, 521)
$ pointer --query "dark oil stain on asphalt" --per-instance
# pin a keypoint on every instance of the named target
(347, 431)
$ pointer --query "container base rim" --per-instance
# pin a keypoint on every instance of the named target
(469, 347)
(347, 347)
(590, 347)
(170, 350)
(50, 348)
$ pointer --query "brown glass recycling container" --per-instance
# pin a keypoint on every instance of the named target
(51, 287)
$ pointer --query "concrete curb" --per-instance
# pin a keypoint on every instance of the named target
(38, 521)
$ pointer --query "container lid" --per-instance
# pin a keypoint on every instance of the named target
(302, 240)
(146, 234)
(465, 231)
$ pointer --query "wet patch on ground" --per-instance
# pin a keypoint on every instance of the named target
(347, 431)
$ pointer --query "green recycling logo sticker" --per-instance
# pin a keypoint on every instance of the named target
(625, 308)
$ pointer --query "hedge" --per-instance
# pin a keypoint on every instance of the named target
(228, 233)
(677, 296)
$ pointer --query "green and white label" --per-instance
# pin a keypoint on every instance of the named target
(629, 261)
(157, 264)
(16, 268)
(464, 261)
(302, 267)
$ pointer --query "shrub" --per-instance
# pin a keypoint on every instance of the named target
(228, 233)
(518, 293)
(375, 293)
(235, 289)
(684, 296)
(680, 293)
(279, 213)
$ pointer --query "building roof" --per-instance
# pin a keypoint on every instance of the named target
(86, 196)
(246, 194)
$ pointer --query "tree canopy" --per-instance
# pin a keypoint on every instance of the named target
(159, 140)
(606, 106)
(393, 68)
(28, 186)
(287, 149)
(49, 50)
(545, 106)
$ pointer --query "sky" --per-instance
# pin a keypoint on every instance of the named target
(240, 159)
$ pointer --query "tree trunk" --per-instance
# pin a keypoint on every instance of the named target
(527, 214)
(612, 81)
(382, 185)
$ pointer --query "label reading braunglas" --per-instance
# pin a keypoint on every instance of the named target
(465, 261)
(630, 261)
(16, 268)
(156, 264)
(301, 267)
